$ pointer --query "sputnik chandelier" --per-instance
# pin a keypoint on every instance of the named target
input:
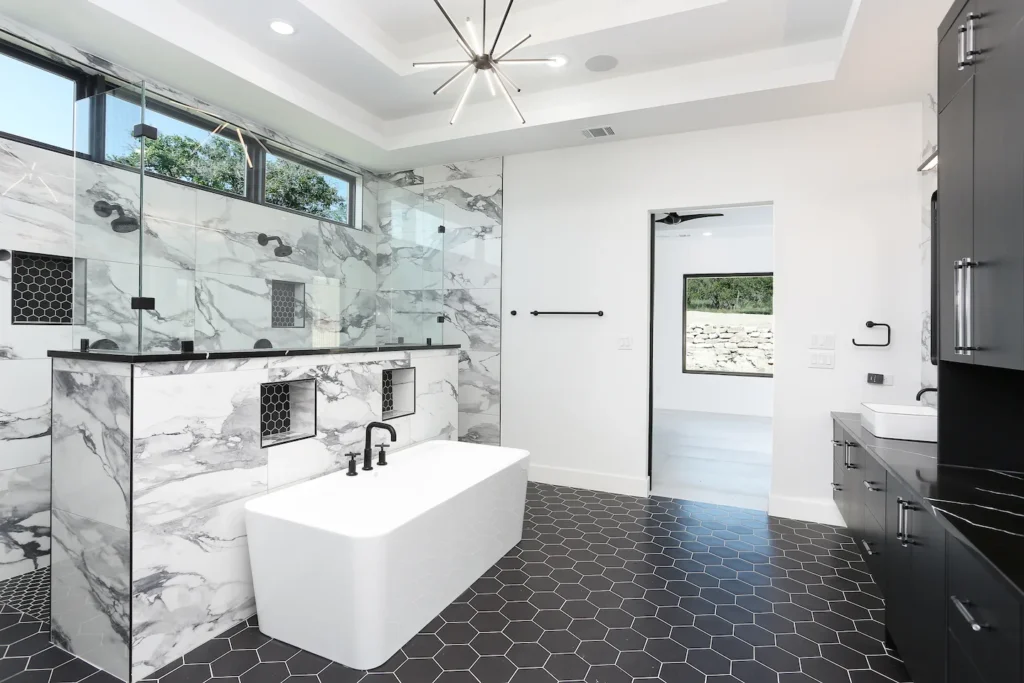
(483, 61)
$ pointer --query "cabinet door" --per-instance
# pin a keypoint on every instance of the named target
(927, 539)
(951, 76)
(853, 482)
(899, 579)
(956, 218)
(997, 279)
(838, 471)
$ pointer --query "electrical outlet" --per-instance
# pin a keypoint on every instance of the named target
(821, 340)
(875, 378)
(823, 360)
(625, 343)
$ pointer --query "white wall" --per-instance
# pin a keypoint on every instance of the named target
(675, 257)
(576, 237)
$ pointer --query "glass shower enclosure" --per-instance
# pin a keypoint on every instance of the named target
(174, 246)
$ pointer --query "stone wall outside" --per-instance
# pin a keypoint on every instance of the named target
(730, 342)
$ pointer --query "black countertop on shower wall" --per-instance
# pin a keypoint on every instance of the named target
(982, 508)
(169, 357)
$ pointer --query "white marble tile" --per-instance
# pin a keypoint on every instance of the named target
(110, 287)
(409, 316)
(170, 202)
(348, 255)
(437, 399)
(460, 170)
(474, 319)
(480, 382)
(358, 317)
(472, 258)
(239, 253)
(401, 178)
(91, 446)
(92, 366)
(479, 428)
(468, 203)
(196, 443)
(19, 342)
(90, 611)
(196, 367)
(233, 313)
(370, 218)
(410, 265)
(191, 581)
(36, 200)
(298, 461)
(24, 519)
(24, 413)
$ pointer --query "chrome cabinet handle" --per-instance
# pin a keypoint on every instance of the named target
(906, 508)
(968, 337)
(971, 47)
(899, 519)
(836, 487)
(958, 313)
(867, 547)
(837, 442)
(961, 48)
(869, 487)
(961, 607)
(849, 465)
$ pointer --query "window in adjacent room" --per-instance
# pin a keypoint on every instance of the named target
(728, 324)
(299, 187)
(38, 104)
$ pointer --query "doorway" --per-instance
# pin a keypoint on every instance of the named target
(712, 354)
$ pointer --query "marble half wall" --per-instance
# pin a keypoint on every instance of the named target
(454, 276)
(198, 460)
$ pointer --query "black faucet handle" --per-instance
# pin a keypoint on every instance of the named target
(382, 456)
(352, 463)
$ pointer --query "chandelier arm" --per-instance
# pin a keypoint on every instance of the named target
(509, 51)
(448, 63)
(511, 102)
(544, 60)
(501, 27)
(502, 75)
(452, 79)
(483, 31)
(465, 96)
(451, 23)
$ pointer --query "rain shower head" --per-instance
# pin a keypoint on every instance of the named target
(674, 218)
(281, 250)
(121, 224)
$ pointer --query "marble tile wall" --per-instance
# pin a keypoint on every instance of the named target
(197, 460)
(92, 408)
(929, 184)
(457, 275)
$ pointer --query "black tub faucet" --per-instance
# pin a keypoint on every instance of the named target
(368, 450)
(924, 391)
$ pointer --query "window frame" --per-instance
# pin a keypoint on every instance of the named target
(88, 85)
(316, 166)
(81, 81)
(686, 278)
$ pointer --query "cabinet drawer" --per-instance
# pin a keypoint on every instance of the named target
(951, 48)
(873, 481)
(872, 547)
(983, 616)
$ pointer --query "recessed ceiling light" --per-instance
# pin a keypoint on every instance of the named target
(602, 63)
(559, 61)
(282, 27)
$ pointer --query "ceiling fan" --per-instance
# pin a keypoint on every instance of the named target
(480, 59)
(674, 218)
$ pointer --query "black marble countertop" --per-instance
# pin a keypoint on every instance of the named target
(984, 509)
(124, 357)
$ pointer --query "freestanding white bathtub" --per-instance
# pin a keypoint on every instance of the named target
(351, 568)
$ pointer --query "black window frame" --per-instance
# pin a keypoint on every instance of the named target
(686, 278)
(87, 85)
(316, 166)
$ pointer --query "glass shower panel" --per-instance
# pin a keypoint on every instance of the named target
(108, 219)
(410, 268)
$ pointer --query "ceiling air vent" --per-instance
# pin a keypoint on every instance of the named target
(591, 133)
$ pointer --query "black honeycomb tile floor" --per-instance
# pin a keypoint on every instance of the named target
(28, 593)
(28, 656)
(617, 589)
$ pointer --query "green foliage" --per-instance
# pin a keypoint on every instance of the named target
(745, 294)
(219, 163)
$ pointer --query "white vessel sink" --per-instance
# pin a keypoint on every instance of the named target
(909, 423)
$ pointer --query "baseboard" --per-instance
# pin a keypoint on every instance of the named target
(821, 510)
(584, 479)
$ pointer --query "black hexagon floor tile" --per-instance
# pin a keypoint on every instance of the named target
(603, 588)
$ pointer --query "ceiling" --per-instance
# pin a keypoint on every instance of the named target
(344, 81)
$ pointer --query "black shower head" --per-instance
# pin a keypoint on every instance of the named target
(282, 251)
(122, 223)
(674, 218)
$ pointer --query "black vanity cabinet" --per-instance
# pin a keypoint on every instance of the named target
(981, 196)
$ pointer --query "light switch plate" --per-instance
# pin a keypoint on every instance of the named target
(625, 343)
(823, 360)
(823, 340)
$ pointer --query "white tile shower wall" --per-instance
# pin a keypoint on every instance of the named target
(197, 459)
(467, 198)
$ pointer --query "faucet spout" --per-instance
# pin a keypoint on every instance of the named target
(925, 390)
(368, 449)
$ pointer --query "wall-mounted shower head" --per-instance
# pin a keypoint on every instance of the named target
(122, 223)
(281, 250)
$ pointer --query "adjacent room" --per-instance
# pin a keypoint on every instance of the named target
(714, 355)
(511, 341)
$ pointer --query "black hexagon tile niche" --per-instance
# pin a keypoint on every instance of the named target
(616, 589)
(42, 291)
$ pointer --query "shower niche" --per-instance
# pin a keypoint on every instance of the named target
(398, 393)
(287, 412)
